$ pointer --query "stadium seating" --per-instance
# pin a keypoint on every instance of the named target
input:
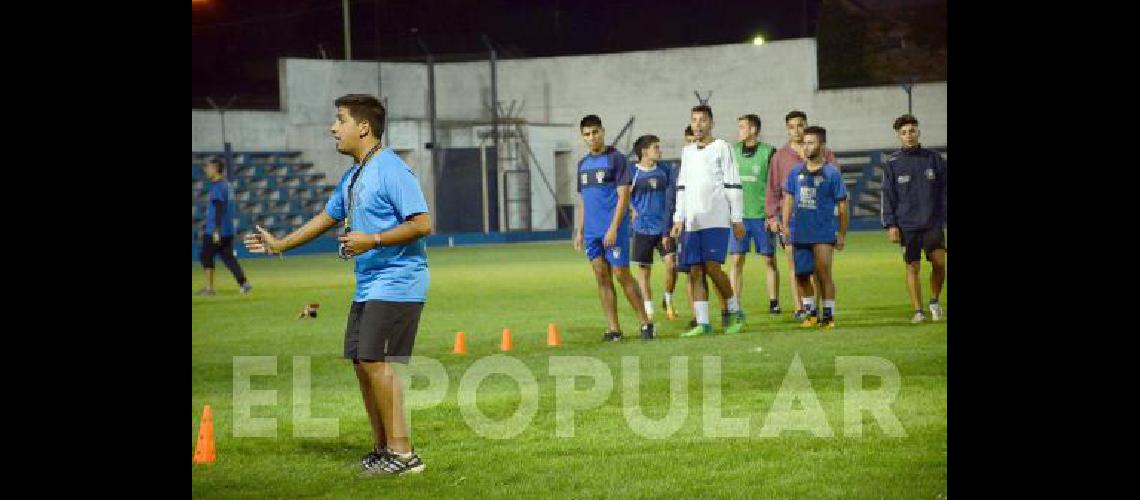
(275, 189)
(863, 173)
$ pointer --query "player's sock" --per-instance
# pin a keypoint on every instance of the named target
(668, 298)
(702, 311)
(829, 307)
(733, 305)
(809, 305)
(649, 308)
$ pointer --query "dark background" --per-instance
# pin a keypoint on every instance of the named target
(236, 43)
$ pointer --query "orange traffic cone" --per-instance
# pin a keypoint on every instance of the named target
(552, 338)
(505, 345)
(204, 452)
(460, 344)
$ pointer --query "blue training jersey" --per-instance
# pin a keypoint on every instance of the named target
(598, 179)
(650, 199)
(384, 196)
(220, 191)
(815, 215)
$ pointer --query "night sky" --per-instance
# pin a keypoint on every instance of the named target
(236, 43)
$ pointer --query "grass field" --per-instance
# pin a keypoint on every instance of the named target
(481, 290)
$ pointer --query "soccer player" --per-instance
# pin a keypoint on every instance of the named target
(708, 204)
(652, 198)
(218, 237)
(754, 158)
(385, 220)
(681, 267)
(602, 225)
(782, 163)
(815, 221)
(914, 212)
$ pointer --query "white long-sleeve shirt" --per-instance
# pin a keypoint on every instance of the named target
(709, 193)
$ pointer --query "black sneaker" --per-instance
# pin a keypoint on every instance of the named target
(693, 323)
(612, 337)
(648, 332)
(373, 458)
(725, 319)
(392, 464)
(773, 307)
(800, 315)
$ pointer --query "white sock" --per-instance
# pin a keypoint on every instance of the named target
(829, 304)
(668, 298)
(733, 304)
(702, 311)
(809, 304)
(649, 307)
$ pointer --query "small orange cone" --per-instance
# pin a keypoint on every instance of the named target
(204, 452)
(552, 338)
(460, 344)
(505, 345)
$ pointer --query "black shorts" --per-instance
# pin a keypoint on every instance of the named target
(643, 245)
(916, 242)
(379, 330)
(209, 249)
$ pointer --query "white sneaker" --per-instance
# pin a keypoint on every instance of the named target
(918, 317)
(935, 311)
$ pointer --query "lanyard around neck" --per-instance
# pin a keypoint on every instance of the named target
(352, 183)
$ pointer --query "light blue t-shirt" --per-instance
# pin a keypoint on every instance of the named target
(385, 195)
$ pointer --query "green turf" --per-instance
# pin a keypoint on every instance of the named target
(481, 290)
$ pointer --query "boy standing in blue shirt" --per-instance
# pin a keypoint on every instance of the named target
(602, 224)
(385, 218)
(654, 192)
(815, 222)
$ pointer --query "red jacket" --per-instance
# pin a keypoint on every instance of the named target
(778, 170)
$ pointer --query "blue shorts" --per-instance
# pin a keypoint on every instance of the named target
(805, 257)
(617, 255)
(704, 245)
(679, 264)
(755, 234)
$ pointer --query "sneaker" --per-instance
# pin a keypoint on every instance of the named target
(693, 323)
(373, 458)
(810, 321)
(698, 331)
(918, 317)
(611, 337)
(800, 315)
(935, 311)
(390, 463)
(205, 292)
(725, 319)
(737, 325)
(774, 309)
(246, 288)
(827, 322)
(648, 331)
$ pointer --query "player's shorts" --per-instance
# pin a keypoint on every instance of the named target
(379, 330)
(224, 248)
(805, 257)
(679, 261)
(643, 245)
(617, 255)
(916, 242)
(705, 245)
(755, 235)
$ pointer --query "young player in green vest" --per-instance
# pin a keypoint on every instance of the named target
(753, 157)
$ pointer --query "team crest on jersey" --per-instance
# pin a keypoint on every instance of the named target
(652, 183)
(930, 173)
(903, 179)
(600, 175)
(585, 178)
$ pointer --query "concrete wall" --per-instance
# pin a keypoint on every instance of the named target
(552, 94)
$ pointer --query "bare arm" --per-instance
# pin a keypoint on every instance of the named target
(263, 242)
(619, 214)
(416, 227)
(786, 215)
